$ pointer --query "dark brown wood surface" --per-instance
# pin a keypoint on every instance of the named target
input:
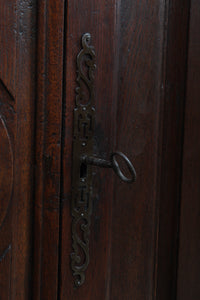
(189, 250)
(171, 142)
(144, 237)
(48, 148)
(150, 117)
(146, 89)
(99, 19)
(17, 79)
(134, 206)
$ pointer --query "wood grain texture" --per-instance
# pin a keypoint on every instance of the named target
(48, 148)
(171, 125)
(99, 19)
(7, 133)
(135, 206)
(141, 50)
(6, 170)
(5, 273)
(17, 72)
(23, 157)
(149, 78)
(189, 258)
(9, 35)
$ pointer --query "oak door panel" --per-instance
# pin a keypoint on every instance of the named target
(139, 99)
(50, 22)
(89, 15)
(189, 248)
(17, 67)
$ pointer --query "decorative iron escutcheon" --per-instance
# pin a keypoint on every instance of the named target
(83, 159)
(84, 115)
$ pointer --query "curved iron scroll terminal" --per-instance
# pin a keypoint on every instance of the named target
(83, 158)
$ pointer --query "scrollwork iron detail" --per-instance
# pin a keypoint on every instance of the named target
(84, 115)
(84, 159)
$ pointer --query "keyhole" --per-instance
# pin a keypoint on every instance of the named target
(83, 170)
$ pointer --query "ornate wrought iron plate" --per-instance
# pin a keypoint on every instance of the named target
(84, 116)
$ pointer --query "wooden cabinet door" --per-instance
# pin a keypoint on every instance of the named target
(143, 237)
(139, 86)
(17, 78)
(139, 99)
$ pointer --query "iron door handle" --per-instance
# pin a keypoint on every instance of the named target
(83, 158)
